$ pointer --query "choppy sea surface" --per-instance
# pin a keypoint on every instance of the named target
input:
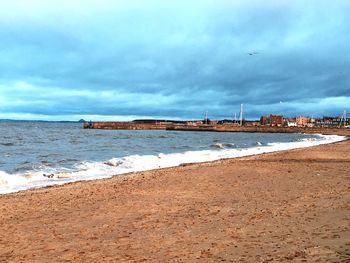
(35, 154)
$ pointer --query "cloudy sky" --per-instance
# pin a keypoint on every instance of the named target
(125, 59)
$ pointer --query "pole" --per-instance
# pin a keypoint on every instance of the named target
(241, 116)
(343, 119)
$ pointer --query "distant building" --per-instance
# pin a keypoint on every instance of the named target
(193, 123)
(264, 120)
(276, 120)
(272, 120)
(251, 123)
(302, 120)
(311, 123)
(290, 122)
(228, 122)
(331, 122)
(225, 121)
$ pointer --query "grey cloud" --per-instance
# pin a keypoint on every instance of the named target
(214, 56)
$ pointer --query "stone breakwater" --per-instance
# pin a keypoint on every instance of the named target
(212, 128)
(124, 126)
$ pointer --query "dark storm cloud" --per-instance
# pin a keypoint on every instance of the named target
(174, 59)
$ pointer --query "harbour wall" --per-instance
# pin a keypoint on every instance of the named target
(212, 128)
(124, 126)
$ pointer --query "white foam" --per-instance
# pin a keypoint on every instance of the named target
(97, 170)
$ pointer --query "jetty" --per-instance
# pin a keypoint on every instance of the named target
(226, 127)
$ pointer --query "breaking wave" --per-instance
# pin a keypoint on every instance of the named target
(133, 163)
(222, 145)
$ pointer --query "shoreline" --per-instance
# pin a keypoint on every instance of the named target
(161, 161)
(63, 178)
(279, 206)
(169, 169)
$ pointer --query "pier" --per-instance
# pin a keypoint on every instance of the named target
(211, 127)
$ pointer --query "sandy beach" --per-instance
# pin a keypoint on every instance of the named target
(291, 206)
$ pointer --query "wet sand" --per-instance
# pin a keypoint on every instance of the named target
(289, 206)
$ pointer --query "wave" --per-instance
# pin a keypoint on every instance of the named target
(222, 145)
(134, 163)
(7, 144)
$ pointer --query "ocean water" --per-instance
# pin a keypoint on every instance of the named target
(35, 154)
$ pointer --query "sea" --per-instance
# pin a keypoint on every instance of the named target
(41, 154)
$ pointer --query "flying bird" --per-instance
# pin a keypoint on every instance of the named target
(252, 53)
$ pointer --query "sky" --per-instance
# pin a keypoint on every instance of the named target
(128, 59)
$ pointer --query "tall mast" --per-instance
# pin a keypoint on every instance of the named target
(235, 120)
(241, 115)
(343, 119)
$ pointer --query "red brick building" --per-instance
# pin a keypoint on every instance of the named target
(276, 120)
(272, 120)
(264, 120)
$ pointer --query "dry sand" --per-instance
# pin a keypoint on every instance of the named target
(282, 207)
